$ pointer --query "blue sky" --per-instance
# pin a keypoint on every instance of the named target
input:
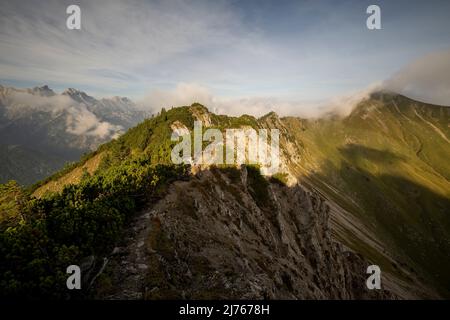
(282, 50)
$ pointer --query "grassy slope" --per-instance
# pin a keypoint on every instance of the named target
(388, 164)
(151, 138)
(10, 198)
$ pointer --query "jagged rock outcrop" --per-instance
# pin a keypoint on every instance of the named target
(229, 234)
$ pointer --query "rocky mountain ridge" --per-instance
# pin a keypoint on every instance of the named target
(368, 188)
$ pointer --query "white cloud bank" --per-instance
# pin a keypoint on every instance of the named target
(80, 121)
(187, 93)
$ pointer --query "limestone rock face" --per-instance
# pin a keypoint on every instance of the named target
(225, 234)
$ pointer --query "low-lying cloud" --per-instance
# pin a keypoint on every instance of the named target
(24, 100)
(188, 93)
(183, 94)
(426, 79)
(79, 119)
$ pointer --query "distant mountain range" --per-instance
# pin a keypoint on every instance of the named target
(41, 130)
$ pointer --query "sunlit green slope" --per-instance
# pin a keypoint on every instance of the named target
(388, 163)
